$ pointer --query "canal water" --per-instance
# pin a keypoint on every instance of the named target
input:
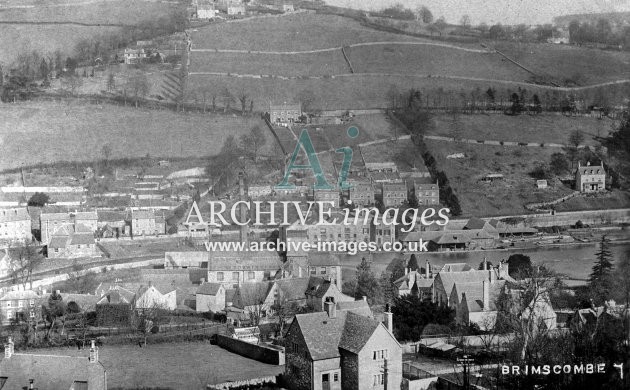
(574, 261)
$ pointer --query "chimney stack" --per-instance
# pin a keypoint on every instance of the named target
(406, 270)
(389, 319)
(365, 298)
(31, 384)
(427, 266)
(331, 309)
(93, 353)
(485, 264)
(486, 295)
(493, 275)
(8, 348)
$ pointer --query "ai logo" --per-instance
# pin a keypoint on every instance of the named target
(305, 143)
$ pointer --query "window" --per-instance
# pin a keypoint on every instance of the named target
(220, 276)
(8, 304)
(32, 302)
(234, 275)
(325, 377)
(322, 270)
(336, 377)
(295, 347)
(20, 304)
(313, 271)
(380, 354)
(9, 314)
(379, 379)
(32, 314)
(251, 275)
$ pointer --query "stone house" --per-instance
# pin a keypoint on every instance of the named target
(394, 194)
(232, 268)
(20, 306)
(210, 297)
(326, 266)
(332, 196)
(195, 224)
(50, 222)
(23, 370)
(590, 178)
(321, 291)
(426, 194)
(285, 113)
(361, 193)
(339, 349)
(72, 241)
(114, 308)
(445, 281)
(149, 297)
(143, 223)
(15, 224)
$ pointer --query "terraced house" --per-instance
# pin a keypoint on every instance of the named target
(340, 349)
(15, 224)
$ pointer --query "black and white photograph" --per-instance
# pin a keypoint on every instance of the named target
(315, 194)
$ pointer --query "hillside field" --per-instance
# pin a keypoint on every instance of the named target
(543, 128)
(46, 38)
(505, 197)
(39, 132)
(295, 32)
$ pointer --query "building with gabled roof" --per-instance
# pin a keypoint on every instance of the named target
(20, 306)
(445, 281)
(149, 297)
(72, 241)
(337, 349)
(15, 224)
(234, 268)
(321, 291)
(51, 372)
(194, 223)
(210, 297)
(590, 178)
(476, 303)
(325, 265)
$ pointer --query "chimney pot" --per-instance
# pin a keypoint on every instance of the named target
(331, 309)
(389, 319)
(365, 298)
(486, 295)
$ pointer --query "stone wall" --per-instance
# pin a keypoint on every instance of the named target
(262, 353)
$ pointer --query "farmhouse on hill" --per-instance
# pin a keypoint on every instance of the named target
(590, 178)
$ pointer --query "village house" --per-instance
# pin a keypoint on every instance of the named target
(149, 297)
(446, 279)
(184, 260)
(134, 56)
(206, 11)
(394, 194)
(88, 219)
(332, 196)
(415, 283)
(112, 224)
(195, 225)
(210, 297)
(15, 224)
(114, 308)
(51, 222)
(257, 192)
(288, 7)
(590, 178)
(382, 233)
(285, 113)
(39, 371)
(143, 223)
(476, 302)
(326, 266)
(232, 268)
(20, 306)
(426, 194)
(337, 349)
(72, 241)
(320, 291)
(361, 193)
(255, 300)
(236, 8)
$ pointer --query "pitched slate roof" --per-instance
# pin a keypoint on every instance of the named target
(456, 267)
(293, 289)
(251, 294)
(51, 372)
(317, 259)
(474, 294)
(117, 295)
(324, 336)
(142, 214)
(86, 215)
(475, 223)
(14, 215)
(187, 258)
(448, 279)
(18, 295)
(55, 217)
(243, 260)
(209, 289)
(360, 307)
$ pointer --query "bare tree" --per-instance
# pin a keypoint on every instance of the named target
(139, 85)
(52, 310)
(253, 142)
(146, 318)
(111, 82)
(24, 260)
(524, 308)
(465, 21)
(71, 83)
(242, 97)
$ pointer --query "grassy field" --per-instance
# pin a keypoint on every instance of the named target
(47, 38)
(402, 152)
(432, 60)
(47, 131)
(505, 197)
(544, 128)
(319, 64)
(162, 365)
(353, 92)
(289, 33)
(563, 62)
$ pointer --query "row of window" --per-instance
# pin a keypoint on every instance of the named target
(21, 303)
(235, 276)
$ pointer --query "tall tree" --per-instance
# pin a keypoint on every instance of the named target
(412, 265)
(600, 279)
(24, 260)
(367, 283)
(425, 15)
